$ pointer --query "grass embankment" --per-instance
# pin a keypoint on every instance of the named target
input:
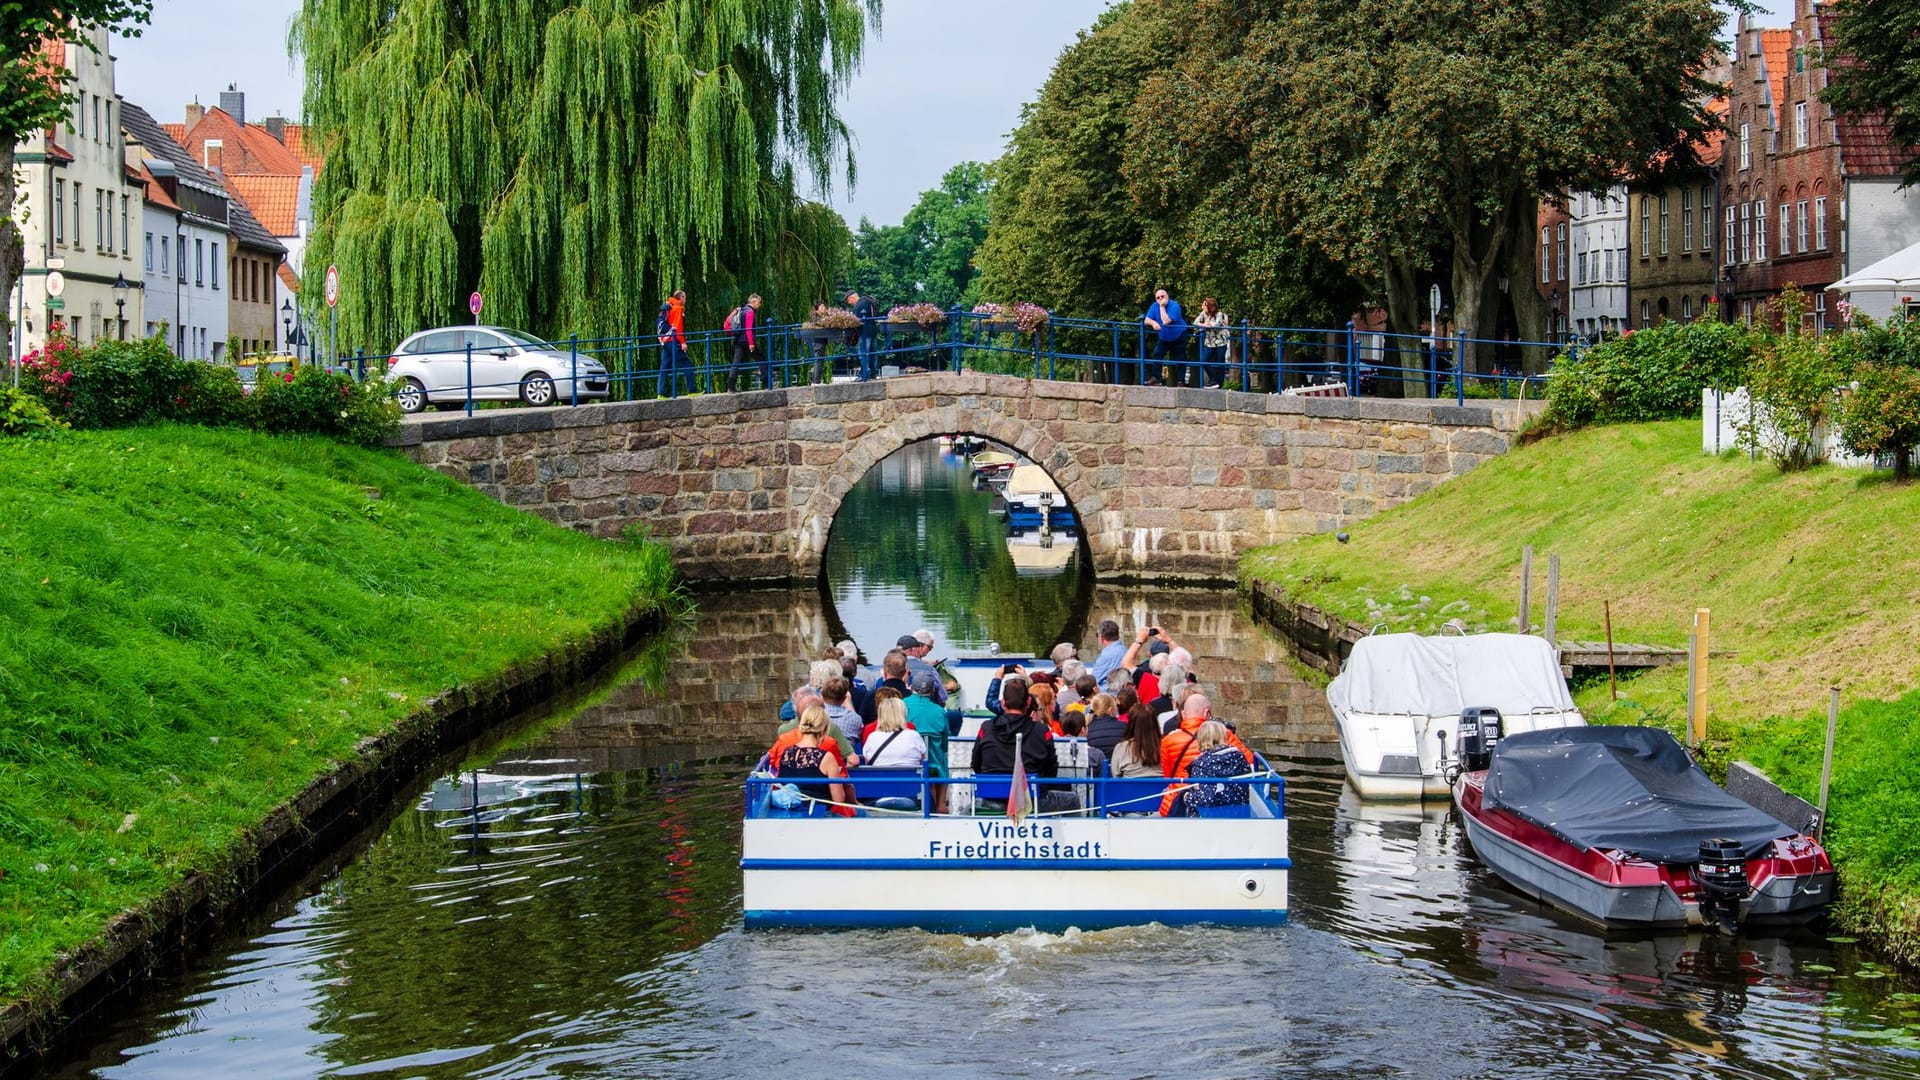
(195, 624)
(1813, 579)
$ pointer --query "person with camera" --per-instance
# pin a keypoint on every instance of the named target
(993, 749)
(1147, 640)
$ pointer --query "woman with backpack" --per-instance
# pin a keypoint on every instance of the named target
(741, 327)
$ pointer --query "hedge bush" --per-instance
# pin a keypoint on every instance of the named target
(1651, 374)
(130, 383)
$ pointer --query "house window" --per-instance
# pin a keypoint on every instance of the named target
(163, 255)
(96, 118)
(1580, 269)
(1729, 260)
(106, 135)
(1786, 228)
(180, 246)
(1800, 125)
(1663, 224)
(1609, 265)
(1546, 255)
(1686, 219)
(1820, 310)
(199, 261)
(102, 240)
(79, 116)
(1760, 230)
(126, 236)
(1746, 145)
(1800, 224)
(1646, 228)
(1686, 309)
(147, 248)
(1560, 239)
(59, 211)
(1746, 232)
(1706, 219)
(1646, 313)
(215, 260)
(1820, 223)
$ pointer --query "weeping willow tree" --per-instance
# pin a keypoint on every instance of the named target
(574, 160)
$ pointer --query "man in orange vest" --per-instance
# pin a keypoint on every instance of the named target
(1179, 747)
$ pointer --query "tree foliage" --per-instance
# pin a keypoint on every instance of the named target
(1881, 415)
(1063, 223)
(1377, 129)
(575, 161)
(1878, 70)
(929, 256)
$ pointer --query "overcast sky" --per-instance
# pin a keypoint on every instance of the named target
(943, 83)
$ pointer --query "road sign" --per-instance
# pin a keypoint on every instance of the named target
(1433, 300)
(333, 285)
(56, 283)
(56, 263)
(54, 303)
(473, 304)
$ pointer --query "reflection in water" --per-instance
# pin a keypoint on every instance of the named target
(913, 545)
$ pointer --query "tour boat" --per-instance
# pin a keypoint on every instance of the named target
(991, 463)
(1114, 863)
(1398, 696)
(1618, 826)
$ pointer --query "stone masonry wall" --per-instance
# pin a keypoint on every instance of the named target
(1168, 483)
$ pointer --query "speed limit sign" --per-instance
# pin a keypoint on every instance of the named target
(333, 286)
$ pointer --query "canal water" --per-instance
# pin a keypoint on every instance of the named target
(565, 901)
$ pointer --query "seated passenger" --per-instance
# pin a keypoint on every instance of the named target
(838, 693)
(993, 748)
(1040, 705)
(1137, 754)
(808, 759)
(893, 745)
(1105, 729)
(1178, 750)
(926, 716)
(1074, 726)
(1216, 759)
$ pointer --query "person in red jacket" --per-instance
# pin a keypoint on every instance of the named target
(671, 330)
(1181, 746)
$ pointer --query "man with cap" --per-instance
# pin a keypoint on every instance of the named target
(917, 645)
(930, 720)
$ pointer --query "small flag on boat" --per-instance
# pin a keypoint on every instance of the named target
(1017, 791)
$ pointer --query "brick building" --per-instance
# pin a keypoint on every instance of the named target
(1805, 194)
(1674, 270)
(1556, 256)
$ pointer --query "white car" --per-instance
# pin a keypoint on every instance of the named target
(431, 367)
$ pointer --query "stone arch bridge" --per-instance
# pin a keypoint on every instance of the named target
(1168, 483)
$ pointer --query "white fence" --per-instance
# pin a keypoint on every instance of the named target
(1724, 416)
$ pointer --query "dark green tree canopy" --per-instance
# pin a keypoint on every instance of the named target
(575, 161)
(1876, 68)
(929, 256)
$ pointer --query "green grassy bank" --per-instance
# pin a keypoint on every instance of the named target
(197, 623)
(1813, 579)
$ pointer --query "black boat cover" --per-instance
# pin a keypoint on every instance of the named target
(1628, 788)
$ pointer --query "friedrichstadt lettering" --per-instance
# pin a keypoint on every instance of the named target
(1001, 840)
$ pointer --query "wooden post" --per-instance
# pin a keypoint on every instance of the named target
(1826, 764)
(1613, 682)
(1526, 587)
(1553, 604)
(1698, 707)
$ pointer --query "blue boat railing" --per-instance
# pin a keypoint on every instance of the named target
(1349, 360)
(1099, 796)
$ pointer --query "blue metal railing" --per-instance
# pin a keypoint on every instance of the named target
(1346, 361)
(1101, 796)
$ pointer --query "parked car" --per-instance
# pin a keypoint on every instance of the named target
(431, 367)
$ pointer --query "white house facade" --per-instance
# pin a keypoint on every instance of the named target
(1598, 235)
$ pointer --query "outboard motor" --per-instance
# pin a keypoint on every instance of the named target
(1721, 876)
(1479, 734)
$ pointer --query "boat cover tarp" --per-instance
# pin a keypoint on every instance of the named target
(1628, 788)
(1401, 674)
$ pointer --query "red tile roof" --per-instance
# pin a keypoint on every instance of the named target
(244, 148)
(274, 199)
(1777, 47)
(1866, 139)
(288, 278)
(177, 132)
(294, 137)
(56, 151)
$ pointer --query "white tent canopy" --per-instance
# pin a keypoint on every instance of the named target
(1898, 272)
(1408, 674)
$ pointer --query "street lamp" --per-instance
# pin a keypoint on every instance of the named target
(1726, 289)
(286, 321)
(120, 304)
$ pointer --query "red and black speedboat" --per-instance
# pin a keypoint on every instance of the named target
(1619, 826)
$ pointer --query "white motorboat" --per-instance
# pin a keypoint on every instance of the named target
(1398, 698)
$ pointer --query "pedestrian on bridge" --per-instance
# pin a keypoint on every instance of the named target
(862, 306)
(1213, 323)
(1168, 324)
(671, 327)
(746, 347)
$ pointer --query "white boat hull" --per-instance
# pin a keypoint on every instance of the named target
(1399, 756)
(985, 874)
